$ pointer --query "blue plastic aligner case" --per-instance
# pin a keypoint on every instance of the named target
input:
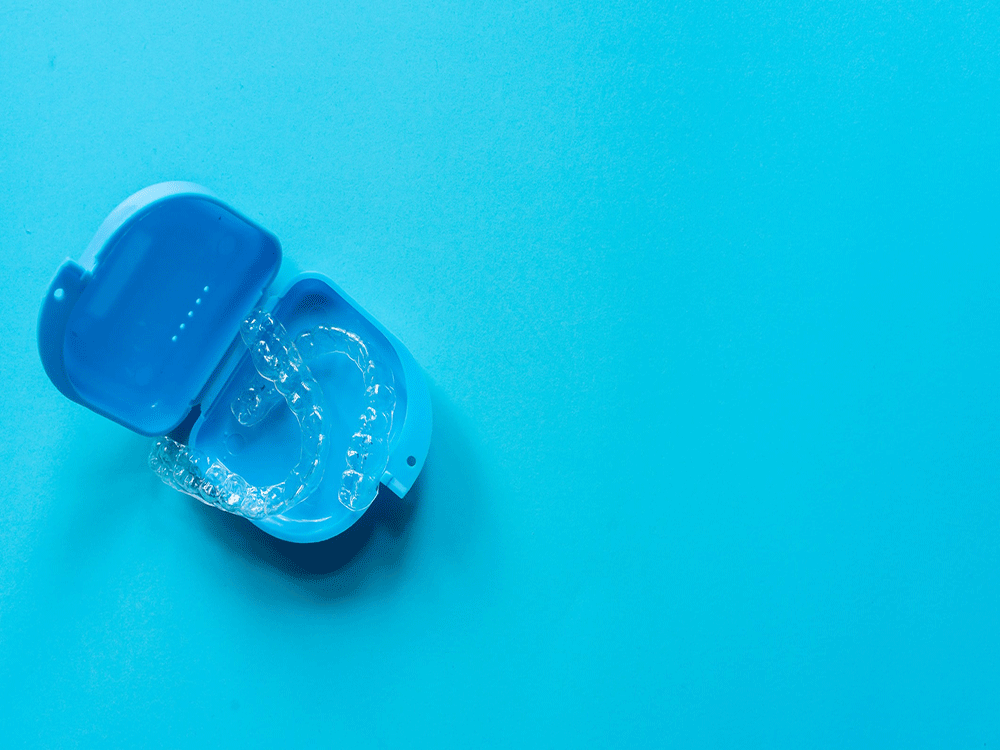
(145, 329)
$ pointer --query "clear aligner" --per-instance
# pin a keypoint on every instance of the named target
(281, 366)
(368, 449)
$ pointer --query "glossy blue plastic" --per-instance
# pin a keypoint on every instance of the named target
(144, 329)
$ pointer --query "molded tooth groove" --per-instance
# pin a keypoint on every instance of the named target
(255, 403)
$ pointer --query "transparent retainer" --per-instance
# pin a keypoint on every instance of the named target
(286, 376)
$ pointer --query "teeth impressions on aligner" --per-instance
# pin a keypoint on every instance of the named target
(286, 376)
(368, 448)
(191, 472)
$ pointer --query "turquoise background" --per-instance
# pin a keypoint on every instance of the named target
(708, 297)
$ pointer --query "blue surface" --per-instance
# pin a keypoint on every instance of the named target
(707, 294)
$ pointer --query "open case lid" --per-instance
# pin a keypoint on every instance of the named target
(137, 328)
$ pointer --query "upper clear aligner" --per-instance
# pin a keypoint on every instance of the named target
(368, 450)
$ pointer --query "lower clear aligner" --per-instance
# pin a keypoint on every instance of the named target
(286, 376)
